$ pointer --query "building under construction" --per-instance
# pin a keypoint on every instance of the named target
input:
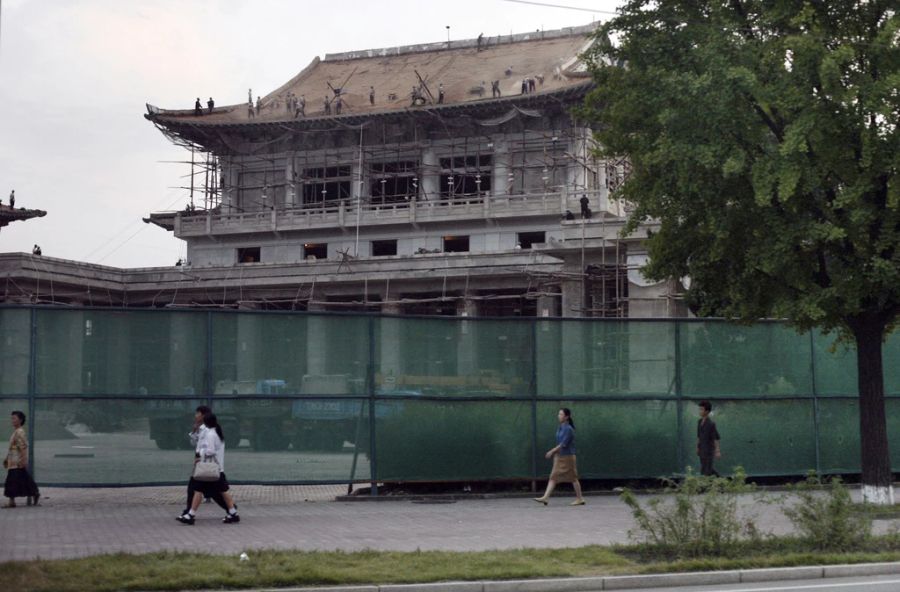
(444, 179)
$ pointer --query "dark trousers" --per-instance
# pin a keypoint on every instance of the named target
(217, 497)
(706, 465)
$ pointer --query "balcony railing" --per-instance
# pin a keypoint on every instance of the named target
(346, 213)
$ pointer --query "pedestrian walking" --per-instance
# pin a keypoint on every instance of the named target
(195, 435)
(211, 448)
(708, 447)
(198, 110)
(18, 481)
(565, 469)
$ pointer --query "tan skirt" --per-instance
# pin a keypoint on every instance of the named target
(565, 469)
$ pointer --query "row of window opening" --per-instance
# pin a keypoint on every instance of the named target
(388, 247)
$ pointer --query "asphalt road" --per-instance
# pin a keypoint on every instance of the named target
(869, 584)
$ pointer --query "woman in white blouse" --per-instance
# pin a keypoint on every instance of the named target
(211, 446)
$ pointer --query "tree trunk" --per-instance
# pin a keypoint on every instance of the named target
(876, 461)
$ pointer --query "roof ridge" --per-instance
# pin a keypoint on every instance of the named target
(486, 42)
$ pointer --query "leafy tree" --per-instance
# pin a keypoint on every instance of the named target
(763, 137)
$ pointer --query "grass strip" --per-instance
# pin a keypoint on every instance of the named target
(181, 571)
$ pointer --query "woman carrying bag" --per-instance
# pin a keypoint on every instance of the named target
(565, 469)
(209, 471)
(18, 482)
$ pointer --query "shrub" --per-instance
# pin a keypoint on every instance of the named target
(828, 520)
(698, 516)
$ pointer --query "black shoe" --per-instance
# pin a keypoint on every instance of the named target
(231, 519)
(186, 519)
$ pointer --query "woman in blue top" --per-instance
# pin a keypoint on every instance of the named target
(563, 454)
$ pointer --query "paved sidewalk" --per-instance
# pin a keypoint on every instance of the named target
(82, 522)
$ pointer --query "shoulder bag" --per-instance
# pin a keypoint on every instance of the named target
(206, 469)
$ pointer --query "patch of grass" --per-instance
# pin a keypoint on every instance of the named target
(180, 571)
(171, 571)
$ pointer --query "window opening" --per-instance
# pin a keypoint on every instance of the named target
(525, 240)
(463, 176)
(326, 184)
(456, 244)
(261, 190)
(248, 255)
(313, 251)
(384, 248)
(393, 182)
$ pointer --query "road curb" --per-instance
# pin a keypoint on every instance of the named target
(635, 582)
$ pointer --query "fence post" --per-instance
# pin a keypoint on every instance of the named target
(812, 370)
(32, 388)
(370, 382)
(679, 403)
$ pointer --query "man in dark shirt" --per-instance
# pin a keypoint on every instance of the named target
(707, 440)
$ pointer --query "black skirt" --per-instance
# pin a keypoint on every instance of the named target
(19, 484)
(210, 488)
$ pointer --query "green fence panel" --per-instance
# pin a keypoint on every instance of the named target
(106, 442)
(453, 357)
(134, 353)
(7, 406)
(15, 350)
(835, 365)
(281, 354)
(446, 440)
(296, 439)
(614, 439)
(726, 360)
(839, 435)
(765, 437)
(605, 358)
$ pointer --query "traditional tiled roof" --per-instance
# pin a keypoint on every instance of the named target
(464, 68)
(8, 214)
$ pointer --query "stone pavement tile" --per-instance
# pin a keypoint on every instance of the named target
(175, 494)
(76, 523)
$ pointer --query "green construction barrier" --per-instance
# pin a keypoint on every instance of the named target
(323, 398)
(15, 351)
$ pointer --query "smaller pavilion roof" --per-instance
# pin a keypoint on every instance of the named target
(8, 214)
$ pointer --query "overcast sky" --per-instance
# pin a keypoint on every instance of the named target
(75, 75)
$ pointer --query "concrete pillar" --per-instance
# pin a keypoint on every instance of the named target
(389, 366)
(118, 360)
(576, 175)
(574, 351)
(249, 348)
(500, 184)
(358, 187)
(467, 344)
(548, 306)
(290, 195)
(431, 176)
(230, 192)
(573, 289)
(185, 362)
(316, 340)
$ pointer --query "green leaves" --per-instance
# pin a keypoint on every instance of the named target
(764, 140)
